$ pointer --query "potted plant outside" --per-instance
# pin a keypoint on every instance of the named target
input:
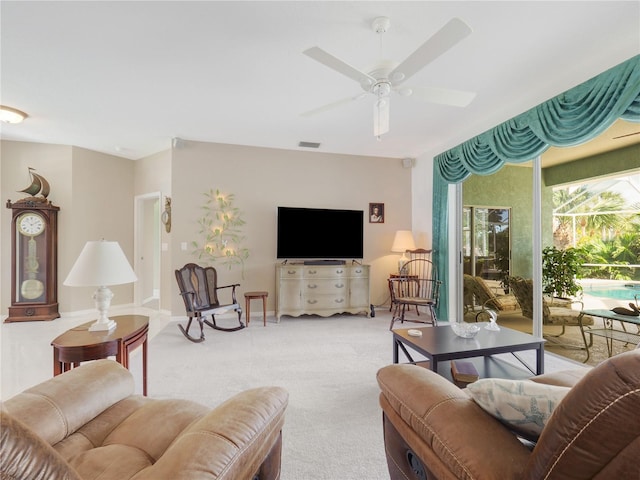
(560, 269)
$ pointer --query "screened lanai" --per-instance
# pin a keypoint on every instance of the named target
(601, 218)
(600, 204)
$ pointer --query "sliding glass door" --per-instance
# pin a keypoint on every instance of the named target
(486, 243)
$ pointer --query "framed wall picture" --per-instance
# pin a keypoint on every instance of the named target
(376, 213)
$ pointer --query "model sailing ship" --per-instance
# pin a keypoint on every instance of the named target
(38, 186)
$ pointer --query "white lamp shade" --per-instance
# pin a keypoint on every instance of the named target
(100, 263)
(403, 241)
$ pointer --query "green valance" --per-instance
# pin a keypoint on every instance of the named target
(569, 119)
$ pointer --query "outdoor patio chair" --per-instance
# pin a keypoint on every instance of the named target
(551, 315)
(488, 300)
(469, 297)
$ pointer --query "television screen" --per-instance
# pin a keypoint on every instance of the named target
(316, 233)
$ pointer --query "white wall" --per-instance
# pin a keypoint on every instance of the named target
(96, 195)
(262, 179)
(422, 200)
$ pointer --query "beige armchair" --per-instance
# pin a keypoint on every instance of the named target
(87, 424)
(434, 430)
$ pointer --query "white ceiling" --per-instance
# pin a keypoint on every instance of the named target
(126, 77)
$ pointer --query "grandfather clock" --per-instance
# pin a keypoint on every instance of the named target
(34, 255)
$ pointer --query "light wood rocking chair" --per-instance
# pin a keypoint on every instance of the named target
(416, 285)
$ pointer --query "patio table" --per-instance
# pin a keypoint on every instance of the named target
(608, 332)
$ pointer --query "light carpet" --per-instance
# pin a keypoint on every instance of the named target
(333, 426)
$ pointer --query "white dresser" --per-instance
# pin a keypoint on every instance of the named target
(321, 289)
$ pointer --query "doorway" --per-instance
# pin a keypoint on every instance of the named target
(486, 242)
(147, 250)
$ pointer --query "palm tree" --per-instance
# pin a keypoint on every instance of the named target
(565, 201)
(620, 251)
(599, 221)
(592, 212)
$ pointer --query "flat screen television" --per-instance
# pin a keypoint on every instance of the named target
(318, 233)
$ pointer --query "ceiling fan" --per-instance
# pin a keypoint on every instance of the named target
(386, 78)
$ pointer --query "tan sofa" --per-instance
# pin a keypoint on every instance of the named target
(435, 430)
(88, 424)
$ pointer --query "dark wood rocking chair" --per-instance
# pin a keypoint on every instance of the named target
(199, 290)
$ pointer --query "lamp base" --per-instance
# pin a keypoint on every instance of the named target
(101, 326)
(401, 264)
(103, 297)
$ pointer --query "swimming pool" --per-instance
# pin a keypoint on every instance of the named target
(618, 291)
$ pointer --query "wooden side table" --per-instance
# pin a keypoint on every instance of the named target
(247, 300)
(80, 345)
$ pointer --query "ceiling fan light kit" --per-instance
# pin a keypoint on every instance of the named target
(385, 79)
(381, 117)
(11, 115)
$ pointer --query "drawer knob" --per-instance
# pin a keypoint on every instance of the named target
(339, 285)
(312, 286)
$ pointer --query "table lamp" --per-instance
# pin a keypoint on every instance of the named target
(402, 242)
(101, 264)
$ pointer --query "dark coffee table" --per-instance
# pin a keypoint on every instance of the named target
(440, 345)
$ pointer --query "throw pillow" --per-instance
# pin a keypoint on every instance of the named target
(522, 405)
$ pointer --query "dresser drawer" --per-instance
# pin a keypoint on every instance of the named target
(291, 271)
(359, 271)
(325, 302)
(325, 272)
(322, 287)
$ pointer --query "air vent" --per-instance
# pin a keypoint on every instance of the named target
(309, 144)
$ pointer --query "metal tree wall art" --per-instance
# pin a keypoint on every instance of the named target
(220, 234)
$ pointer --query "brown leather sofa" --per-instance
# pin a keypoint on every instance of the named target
(88, 424)
(435, 430)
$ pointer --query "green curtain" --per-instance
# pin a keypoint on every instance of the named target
(573, 117)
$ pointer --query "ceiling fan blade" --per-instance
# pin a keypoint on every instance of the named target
(332, 105)
(445, 38)
(381, 116)
(339, 66)
(443, 96)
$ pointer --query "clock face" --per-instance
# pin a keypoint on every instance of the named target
(30, 224)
